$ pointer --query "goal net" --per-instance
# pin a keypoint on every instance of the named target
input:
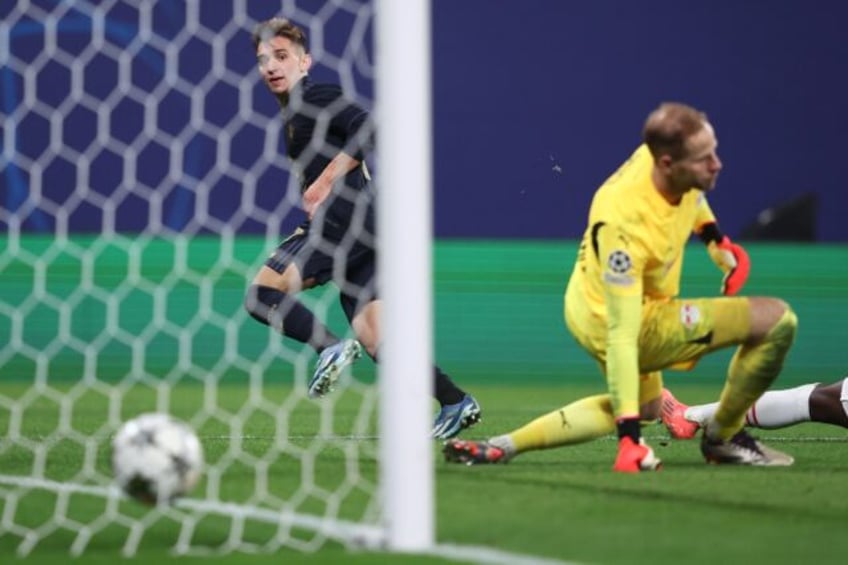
(144, 182)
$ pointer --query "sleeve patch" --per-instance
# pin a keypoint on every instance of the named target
(619, 262)
(618, 266)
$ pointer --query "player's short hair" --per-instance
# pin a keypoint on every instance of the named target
(279, 27)
(669, 126)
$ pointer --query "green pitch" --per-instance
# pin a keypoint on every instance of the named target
(567, 503)
(563, 503)
(499, 333)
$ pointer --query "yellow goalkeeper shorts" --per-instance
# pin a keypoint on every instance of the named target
(674, 334)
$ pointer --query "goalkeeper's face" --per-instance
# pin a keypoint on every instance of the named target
(282, 63)
(700, 166)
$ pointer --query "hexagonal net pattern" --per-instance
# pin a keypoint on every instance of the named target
(144, 182)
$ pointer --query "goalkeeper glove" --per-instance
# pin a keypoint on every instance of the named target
(729, 257)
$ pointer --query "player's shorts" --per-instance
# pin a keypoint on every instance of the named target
(675, 333)
(350, 267)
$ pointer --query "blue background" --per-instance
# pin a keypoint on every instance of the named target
(522, 88)
(535, 104)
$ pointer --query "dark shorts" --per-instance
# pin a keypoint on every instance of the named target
(349, 264)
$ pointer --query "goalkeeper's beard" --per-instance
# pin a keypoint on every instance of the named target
(708, 184)
(704, 186)
(685, 181)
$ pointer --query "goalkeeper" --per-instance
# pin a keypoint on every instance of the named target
(327, 137)
(621, 305)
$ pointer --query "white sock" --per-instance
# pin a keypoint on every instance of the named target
(774, 409)
(700, 413)
(780, 408)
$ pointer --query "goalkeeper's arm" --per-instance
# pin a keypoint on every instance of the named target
(730, 257)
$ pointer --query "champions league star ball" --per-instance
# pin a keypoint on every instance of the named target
(156, 458)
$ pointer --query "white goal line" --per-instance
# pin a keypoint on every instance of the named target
(364, 535)
(369, 537)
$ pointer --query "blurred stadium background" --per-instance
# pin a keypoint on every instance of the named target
(110, 127)
(143, 176)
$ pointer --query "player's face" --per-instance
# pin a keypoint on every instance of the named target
(282, 63)
(700, 167)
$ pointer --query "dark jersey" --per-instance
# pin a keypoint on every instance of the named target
(319, 123)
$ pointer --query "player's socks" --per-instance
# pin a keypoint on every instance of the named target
(780, 408)
(583, 420)
(751, 372)
(444, 389)
(288, 316)
(774, 409)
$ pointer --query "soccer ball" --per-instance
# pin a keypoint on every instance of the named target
(156, 458)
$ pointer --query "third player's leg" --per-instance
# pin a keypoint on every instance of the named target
(829, 403)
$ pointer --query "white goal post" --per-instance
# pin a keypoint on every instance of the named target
(404, 117)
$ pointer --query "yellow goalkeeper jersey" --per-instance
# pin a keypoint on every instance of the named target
(632, 251)
(635, 239)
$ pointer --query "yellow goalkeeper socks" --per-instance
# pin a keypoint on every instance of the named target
(751, 372)
(580, 421)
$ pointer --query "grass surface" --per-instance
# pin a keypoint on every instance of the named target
(94, 330)
(563, 503)
(567, 503)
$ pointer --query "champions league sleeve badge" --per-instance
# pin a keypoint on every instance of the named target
(618, 267)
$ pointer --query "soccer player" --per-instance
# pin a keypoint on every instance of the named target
(815, 402)
(622, 306)
(327, 138)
